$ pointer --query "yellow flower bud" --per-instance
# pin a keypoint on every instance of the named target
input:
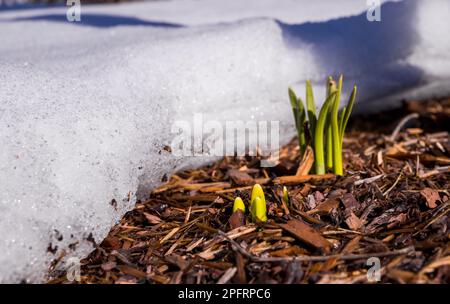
(238, 204)
(257, 191)
(259, 213)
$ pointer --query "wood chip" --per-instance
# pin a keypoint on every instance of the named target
(431, 196)
(353, 222)
(325, 207)
(352, 245)
(227, 276)
(293, 179)
(307, 234)
(169, 235)
(349, 201)
(195, 244)
(241, 178)
(152, 219)
(237, 219)
(290, 251)
(306, 162)
(132, 271)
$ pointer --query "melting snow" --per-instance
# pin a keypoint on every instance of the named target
(86, 109)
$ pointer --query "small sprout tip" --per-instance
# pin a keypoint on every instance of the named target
(259, 211)
(238, 205)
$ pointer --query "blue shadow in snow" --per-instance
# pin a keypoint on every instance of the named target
(101, 20)
(25, 6)
(372, 54)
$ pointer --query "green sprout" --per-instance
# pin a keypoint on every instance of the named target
(238, 205)
(327, 130)
(331, 88)
(258, 206)
(299, 117)
(285, 196)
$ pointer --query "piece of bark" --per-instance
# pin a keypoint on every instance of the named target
(240, 264)
(290, 251)
(227, 276)
(109, 266)
(237, 219)
(353, 222)
(294, 179)
(177, 260)
(152, 219)
(325, 207)
(352, 245)
(396, 220)
(241, 178)
(112, 242)
(431, 196)
(306, 234)
(132, 271)
(349, 201)
(306, 162)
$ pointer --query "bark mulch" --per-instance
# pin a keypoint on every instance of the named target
(392, 204)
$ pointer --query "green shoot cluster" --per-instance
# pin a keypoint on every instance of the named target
(327, 129)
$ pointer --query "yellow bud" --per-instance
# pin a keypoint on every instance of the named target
(259, 213)
(257, 191)
(238, 204)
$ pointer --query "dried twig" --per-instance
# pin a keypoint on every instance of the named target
(401, 124)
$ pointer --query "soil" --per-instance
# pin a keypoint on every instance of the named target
(391, 207)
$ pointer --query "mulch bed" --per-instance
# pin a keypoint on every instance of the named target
(392, 204)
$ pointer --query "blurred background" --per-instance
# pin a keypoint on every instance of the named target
(12, 3)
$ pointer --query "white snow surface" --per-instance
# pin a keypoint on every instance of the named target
(86, 108)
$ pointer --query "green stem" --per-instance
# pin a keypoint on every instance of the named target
(331, 87)
(299, 116)
(301, 130)
(341, 120)
(337, 150)
(329, 145)
(318, 136)
(348, 112)
(311, 107)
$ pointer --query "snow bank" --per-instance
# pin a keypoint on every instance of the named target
(86, 109)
